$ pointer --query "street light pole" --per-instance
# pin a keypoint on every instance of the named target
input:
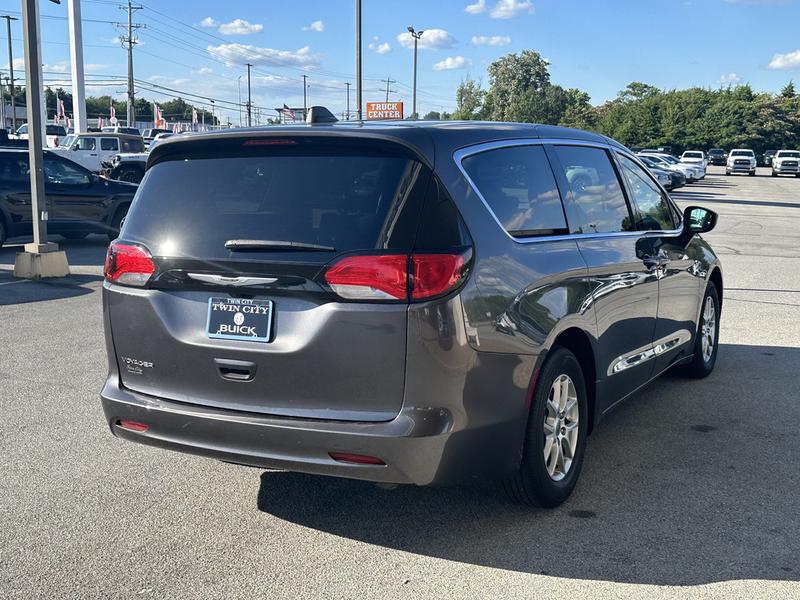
(348, 101)
(76, 62)
(11, 72)
(305, 97)
(416, 35)
(249, 101)
(239, 85)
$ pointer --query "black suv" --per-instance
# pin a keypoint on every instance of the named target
(400, 302)
(78, 201)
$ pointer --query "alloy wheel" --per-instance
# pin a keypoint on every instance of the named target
(560, 427)
(708, 329)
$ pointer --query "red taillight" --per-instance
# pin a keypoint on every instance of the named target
(127, 264)
(360, 459)
(435, 274)
(133, 426)
(371, 277)
(387, 276)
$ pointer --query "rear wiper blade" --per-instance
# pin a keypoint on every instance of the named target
(256, 245)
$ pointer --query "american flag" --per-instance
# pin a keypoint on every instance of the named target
(287, 112)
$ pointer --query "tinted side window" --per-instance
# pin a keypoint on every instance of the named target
(63, 172)
(109, 144)
(14, 168)
(132, 145)
(519, 186)
(650, 202)
(598, 203)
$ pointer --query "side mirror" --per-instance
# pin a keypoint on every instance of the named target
(698, 220)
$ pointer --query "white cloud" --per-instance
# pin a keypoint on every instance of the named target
(383, 48)
(508, 9)
(315, 26)
(238, 54)
(784, 62)
(477, 8)
(491, 40)
(452, 62)
(729, 79)
(240, 27)
(202, 71)
(208, 22)
(432, 39)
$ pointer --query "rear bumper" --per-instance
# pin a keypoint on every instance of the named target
(419, 446)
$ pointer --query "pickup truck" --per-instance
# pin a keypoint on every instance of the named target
(54, 133)
(741, 160)
(786, 162)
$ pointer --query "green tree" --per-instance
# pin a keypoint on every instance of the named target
(469, 99)
(514, 83)
(788, 90)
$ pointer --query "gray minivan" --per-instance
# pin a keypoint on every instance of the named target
(412, 302)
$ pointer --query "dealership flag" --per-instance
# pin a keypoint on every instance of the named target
(194, 115)
(113, 111)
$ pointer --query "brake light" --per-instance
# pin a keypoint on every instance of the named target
(392, 276)
(370, 277)
(133, 426)
(127, 264)
(435, 274)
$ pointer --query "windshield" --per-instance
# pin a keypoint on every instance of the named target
(716, 151)
(788, 154)
(741, 153)
(68, 141)
(670, 159)
(692, 155)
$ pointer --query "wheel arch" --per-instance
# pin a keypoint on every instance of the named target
(579, 342)
(716, 278)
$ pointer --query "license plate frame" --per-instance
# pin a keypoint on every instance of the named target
(248, 320)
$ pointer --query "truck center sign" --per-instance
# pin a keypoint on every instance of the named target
(384, 111)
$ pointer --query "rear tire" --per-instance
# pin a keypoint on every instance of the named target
(705, 356)
(116, 222)
(555, 438)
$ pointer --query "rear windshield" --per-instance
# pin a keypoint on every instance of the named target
(348, 201)
(56, 130)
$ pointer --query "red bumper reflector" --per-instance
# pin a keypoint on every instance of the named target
(360, 459)
(133, 426)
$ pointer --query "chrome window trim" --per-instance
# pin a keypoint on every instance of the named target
(462, 153)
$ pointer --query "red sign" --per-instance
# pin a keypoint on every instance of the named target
(383, 111)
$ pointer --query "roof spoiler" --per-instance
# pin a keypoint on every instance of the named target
(320, 114)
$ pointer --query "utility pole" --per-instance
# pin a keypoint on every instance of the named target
(8, 19)
(3, 101)
(131, 42)
(416, 35)
(305, 97)
(359, 97)
(388, 81)
(249, 100)
(76, 62)
(348, 101)
(213, 118)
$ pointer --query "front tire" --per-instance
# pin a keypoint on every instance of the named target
(706, 339)
(2, 233)
(752, 173)
(116, 223)
(555, 438)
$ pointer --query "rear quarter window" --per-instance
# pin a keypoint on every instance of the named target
(518, 185)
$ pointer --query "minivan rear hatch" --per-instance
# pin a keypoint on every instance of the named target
(236, 314)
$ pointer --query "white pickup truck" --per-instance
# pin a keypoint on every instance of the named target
(741, 160)
(54, 133)
(786, 162)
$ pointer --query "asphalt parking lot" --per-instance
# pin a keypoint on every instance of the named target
(691, 489)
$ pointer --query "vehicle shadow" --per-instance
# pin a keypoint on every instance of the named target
(87, 252)
(23, 291)
(690, 482)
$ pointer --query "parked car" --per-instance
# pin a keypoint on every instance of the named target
(676, 178)
(717, 156)
(160, 137)
(741, 160)
(417, 303)
(93, 149)
(692, 173)
(149, 134)
(786, 162)
(769, 155)
(8, 142)
(694, 157)
(79, 202)
(54, 134)
(119, 129)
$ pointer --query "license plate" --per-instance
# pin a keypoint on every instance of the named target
(239, 319)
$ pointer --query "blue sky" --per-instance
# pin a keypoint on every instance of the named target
(198, 47)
